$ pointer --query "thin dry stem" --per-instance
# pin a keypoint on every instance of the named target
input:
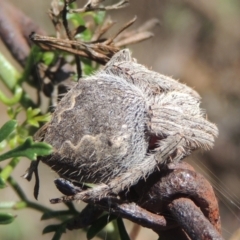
(90, 6)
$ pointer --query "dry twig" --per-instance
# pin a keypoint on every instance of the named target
(93, 5)
(97, 50)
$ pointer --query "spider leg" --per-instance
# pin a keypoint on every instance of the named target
(178, 113)
(67, 187)
(129, 178)
(150, 82)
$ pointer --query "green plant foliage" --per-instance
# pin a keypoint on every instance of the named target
(16, 135)
(122, 230)
(48, 58)
(99, 224)
(34, 118)
(7, 129)
(99, 17)
(6, 218)
(51, 228)
(28, 149)
(2, 183)
(17, 94)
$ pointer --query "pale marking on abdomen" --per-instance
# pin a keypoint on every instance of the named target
(73, 101)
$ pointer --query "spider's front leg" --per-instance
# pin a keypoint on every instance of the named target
(68, 188)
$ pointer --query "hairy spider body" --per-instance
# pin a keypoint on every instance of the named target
(122, 124)
(99, 130)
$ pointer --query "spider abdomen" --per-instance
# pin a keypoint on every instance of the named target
(98, 130)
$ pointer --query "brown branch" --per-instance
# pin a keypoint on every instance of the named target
(130, 211)
(15, 28)
(99, 52)
(179, 181)
(192, 220)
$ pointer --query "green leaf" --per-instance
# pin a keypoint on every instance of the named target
(99, 17)
(86, 35)
(8, 74)
(2, 183)
(33, 122)
(29, 149)
(34, 57)
(48, 58)
(122, 230)
(13, 141)
(17, 91)
(51, 228)
(57, 235)
(6, 218)
(20, 205)
(32, 112)
(43, 118)
(7, 129)
(8, 169)
(12, 113)
(10, 77)
(59, 229)
(3, 145)
(99, 224)
(33, 118)
(53, 214)
(76, 19)
(88, 69)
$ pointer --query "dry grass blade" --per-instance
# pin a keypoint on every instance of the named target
(149, 25)
(146, 27)
(108, 23)
(139, 37)
(127, 25)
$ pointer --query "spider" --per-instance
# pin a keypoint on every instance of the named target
(122, 124)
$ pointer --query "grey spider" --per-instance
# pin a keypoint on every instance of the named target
(121, 124)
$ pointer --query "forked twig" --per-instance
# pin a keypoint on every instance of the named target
(84, 50)
(94, 6)
(127, 25)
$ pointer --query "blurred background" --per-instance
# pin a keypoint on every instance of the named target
(197, 42)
